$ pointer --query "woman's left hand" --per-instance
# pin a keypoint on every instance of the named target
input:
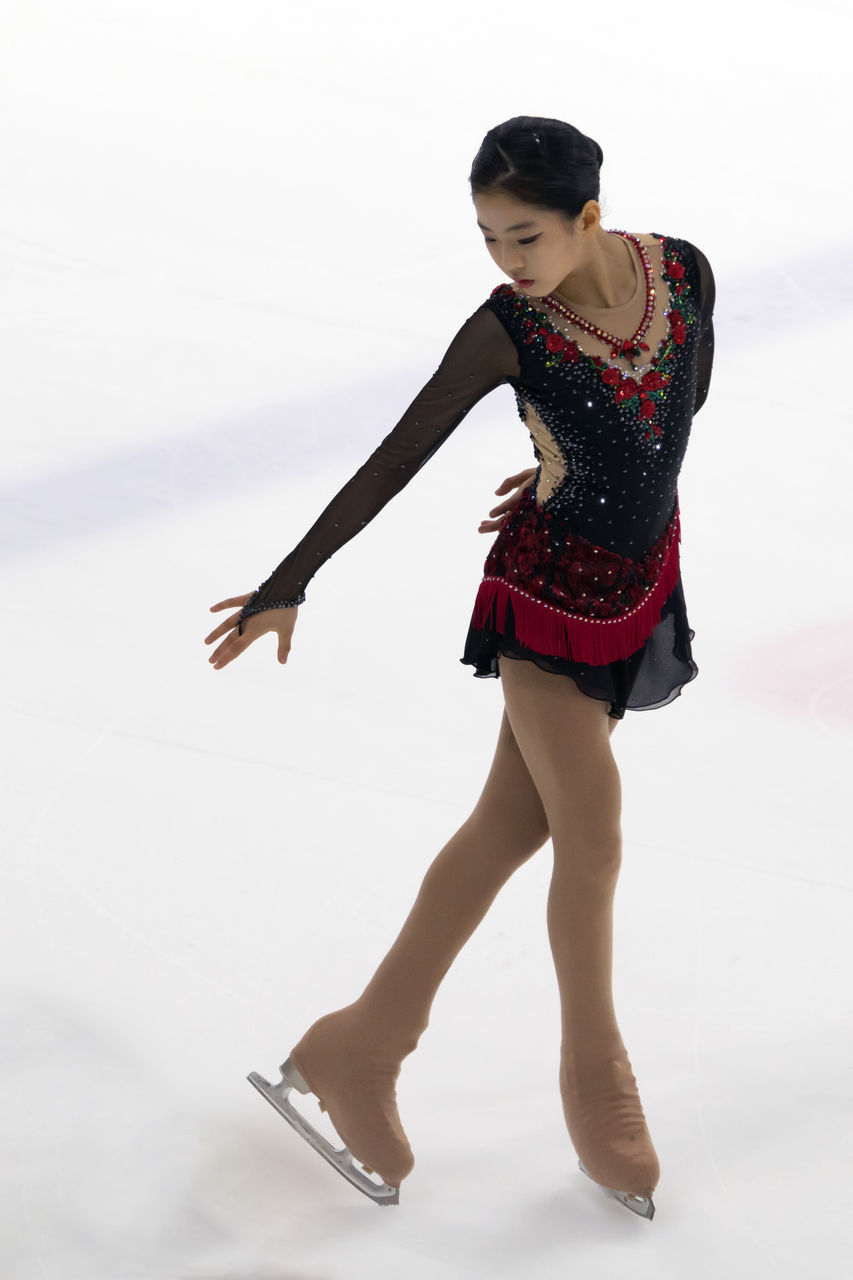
(523, 480)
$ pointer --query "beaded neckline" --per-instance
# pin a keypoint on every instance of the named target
(625, 346)
(640, 394)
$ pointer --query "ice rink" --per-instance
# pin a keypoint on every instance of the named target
(236, 241)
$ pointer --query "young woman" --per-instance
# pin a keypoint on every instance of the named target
(606, 338)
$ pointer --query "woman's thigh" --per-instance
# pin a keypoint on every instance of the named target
(510, 808)
(564, 737)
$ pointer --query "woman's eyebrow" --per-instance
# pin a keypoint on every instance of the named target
(519, 226)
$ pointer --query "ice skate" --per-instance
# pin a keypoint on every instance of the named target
(342, 1063)
(340, 1158)
(607, 1126)
(643, 1205)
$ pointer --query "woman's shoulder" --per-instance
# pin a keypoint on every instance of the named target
(678, 245)
(694, 263)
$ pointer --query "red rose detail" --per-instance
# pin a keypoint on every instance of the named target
(627, 345)
(678, 288)
(528, 323)
(554, 342)
(627, 389)
(674, 268)
(652, 380)
(647, 409)
(676, 318)
(611, 377)
(679, 335)
(571, 352)
(531, 337)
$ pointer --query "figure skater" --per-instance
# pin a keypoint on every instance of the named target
(606, 339)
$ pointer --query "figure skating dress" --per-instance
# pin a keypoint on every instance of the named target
(584, 577)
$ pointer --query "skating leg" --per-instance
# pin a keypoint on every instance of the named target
(563, 736)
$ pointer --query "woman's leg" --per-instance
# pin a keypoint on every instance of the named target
(564, 737)
(351, 1058)
(506, 827)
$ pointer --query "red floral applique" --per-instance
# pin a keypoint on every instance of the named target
(626, 388)
(643, 396)
(571, 572)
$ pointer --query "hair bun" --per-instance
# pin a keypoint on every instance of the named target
(540, 161)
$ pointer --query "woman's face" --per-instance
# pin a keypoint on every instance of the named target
(540, 252)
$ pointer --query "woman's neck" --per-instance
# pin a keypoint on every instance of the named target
(608, 278)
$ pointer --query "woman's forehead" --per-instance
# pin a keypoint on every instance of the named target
(499, 212)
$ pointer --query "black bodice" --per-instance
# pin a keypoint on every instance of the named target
(609, 443)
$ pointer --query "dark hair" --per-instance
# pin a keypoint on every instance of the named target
(542, 162)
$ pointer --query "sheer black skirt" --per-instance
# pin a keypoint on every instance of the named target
(651, 677)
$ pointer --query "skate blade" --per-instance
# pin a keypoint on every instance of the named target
(342, 1160)
(643, 1205)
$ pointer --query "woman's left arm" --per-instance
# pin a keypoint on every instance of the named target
(707, 298)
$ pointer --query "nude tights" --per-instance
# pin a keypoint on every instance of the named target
(554, 776)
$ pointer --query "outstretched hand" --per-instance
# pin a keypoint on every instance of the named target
(281, 620)
(521, 482)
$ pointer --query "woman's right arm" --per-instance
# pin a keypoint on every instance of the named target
(480, 357)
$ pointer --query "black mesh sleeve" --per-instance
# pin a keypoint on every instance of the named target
(480, 357)
(707, 298)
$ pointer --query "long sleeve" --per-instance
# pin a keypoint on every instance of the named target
(480, 357)
(707, 298)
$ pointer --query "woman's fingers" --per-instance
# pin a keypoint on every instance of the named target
(231, 601)
(506, 505)
(520, 482)
(228, 626)
(281, 620)
(223, 626)
(521, 478)
(229, 622)
(230, 649)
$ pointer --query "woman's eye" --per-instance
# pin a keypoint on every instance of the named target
(529, 240)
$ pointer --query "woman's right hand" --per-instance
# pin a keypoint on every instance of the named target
(521, 482)
(281, 620)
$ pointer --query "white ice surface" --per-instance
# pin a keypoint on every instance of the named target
(235, 242)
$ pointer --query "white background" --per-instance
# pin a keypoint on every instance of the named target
(236, 240)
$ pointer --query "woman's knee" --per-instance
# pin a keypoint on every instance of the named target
(504, 839)
(593, 851)
(510, 814)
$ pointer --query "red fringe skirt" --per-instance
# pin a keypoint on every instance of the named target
(574, 607)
